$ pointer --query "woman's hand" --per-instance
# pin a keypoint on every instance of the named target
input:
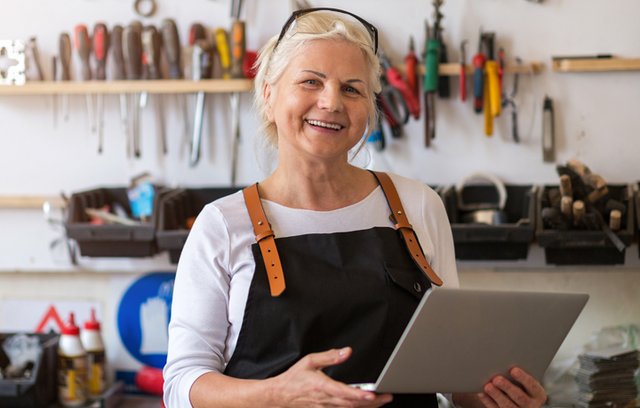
(305, 385)
(502, 393)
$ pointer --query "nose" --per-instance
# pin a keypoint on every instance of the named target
(330, 99)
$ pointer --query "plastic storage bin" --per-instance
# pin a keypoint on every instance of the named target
(176, 208)
(507, 240)
(586, 247)
(40, 390)
(110, 240)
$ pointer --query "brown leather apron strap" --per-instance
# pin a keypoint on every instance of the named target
(266, 240)
(399, 218)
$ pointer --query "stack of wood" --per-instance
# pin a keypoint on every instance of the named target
(582, 201)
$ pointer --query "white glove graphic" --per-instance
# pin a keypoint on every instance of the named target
(153, 322)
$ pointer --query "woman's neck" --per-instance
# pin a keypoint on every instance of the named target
(317, 185)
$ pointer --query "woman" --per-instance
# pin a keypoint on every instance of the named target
(289, 322)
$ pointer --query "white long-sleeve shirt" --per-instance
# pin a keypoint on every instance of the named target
(216, 268)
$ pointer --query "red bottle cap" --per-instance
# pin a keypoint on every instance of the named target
(70, 328)
(92, 324)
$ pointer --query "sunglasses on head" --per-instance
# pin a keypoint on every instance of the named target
(371, 29)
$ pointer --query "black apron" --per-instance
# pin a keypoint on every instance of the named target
(355, 289)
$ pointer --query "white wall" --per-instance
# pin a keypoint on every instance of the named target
(596, 114)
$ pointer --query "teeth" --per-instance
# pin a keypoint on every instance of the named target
(334, 126)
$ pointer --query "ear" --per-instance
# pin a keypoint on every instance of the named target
(266, 94)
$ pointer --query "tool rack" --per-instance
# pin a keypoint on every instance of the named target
(162, 86)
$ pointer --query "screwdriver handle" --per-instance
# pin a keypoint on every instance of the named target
(64, 51)
(196, 32)
(222, 44)
(478, 81)
(432, 65)
(151, 47)
(83, 48)
(238, 48)
(117, 54)
(132, 50)
(171, 41)
(100, 49)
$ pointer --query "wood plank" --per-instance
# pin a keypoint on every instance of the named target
(167, 86)
(596, 64)
(28, 201)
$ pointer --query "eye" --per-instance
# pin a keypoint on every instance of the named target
(311, 82)
(351, 90)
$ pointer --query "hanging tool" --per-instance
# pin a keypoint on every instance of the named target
(33, 57)
(132, 53)
(201, 69)
(173, 51)
(548, 131)
(395, 79)
(392, 105)
(463, 71)
(64, 56)
(478, 77)
(430, 84)
(492, 98)
(119, 74)
(413, 76)
(510, 101)
(444, 87)
(377, 137)
(222, 44)
(238, 49)
(100, 50)
(151, 48)
(83, 48)
(54, 77)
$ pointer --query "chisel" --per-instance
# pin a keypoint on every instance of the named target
(120, 74)
(132, 52)
(64, 55)
(151, 46)
(201, 68)
(173, 52)
(83, 48)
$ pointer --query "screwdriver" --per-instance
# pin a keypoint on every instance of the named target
(83, 48)
(132, 53)
(222, 44)
(173, 51)
(478, 77)
(119, 74)
(413, 77)
(200, 69)
(64, 51)
(100, 50)
(151, 48)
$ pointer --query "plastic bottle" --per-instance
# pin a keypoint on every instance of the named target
(93, 344)
(72, 375)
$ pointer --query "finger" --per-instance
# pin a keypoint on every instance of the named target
(530, 384)
(500, 398)
(514, 392)
(487, 401)
(327, 358)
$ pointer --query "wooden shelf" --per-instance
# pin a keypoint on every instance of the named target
(453, 69)
(29, 202)
(165, 86)
(596, 64)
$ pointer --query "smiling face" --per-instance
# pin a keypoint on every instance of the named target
(321, 103)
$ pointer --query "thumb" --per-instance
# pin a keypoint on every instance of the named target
(328, 358)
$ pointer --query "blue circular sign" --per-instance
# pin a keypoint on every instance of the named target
(143, 318)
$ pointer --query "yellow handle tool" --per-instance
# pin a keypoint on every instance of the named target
(488, 115)
(222, 43)
(493, 82)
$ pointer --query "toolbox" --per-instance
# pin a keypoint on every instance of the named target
(586, 247)
(177, 209)
(506, 239)
(40, 389)
(110, 240)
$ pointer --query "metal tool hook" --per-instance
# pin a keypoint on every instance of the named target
(145, 8)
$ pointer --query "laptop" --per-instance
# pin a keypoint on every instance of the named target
(459, 339)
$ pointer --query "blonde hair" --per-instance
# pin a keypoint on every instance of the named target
(274, 58)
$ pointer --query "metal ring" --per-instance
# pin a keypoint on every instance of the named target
(138, 7)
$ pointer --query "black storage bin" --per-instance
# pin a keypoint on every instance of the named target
(40, 390)
(110, 240)
(586, 247)
(509, 240)
(175, 208)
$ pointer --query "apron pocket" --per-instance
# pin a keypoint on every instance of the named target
(408, 278)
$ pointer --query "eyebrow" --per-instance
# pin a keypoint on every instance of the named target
(323, 76)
